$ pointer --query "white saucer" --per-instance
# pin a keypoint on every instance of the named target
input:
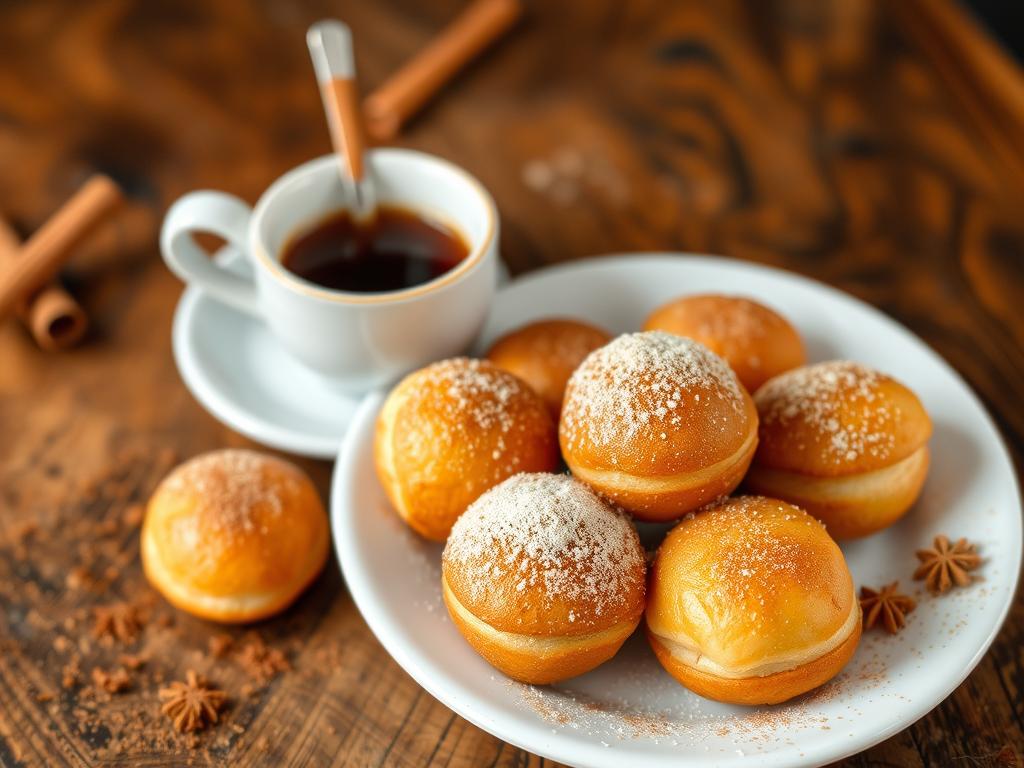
(237, 371)
(629, 711)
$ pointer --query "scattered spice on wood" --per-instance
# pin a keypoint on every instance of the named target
(260, 661)
(132, 661)
(71, 674)
(119, 621)
(78, 578)
(115, 681)
(220, 645)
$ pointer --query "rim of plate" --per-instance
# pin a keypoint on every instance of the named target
(482, 714)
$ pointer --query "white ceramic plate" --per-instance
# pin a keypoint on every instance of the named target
(629, 712)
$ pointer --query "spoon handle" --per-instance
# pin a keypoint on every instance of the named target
(330, 46)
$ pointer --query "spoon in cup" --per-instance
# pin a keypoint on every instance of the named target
(330, 46)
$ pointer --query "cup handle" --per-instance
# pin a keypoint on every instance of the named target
(220, 214)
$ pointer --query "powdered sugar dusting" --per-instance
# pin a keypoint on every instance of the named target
(478, 401)
(820, 395)
(476, 389)
(232, 488)
(557, 535)
(740, 324)
(638, 386)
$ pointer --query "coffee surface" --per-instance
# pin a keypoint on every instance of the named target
(398, 249)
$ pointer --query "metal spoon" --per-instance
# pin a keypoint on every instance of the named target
(330, 46)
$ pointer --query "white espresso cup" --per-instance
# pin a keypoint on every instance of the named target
(358, 340)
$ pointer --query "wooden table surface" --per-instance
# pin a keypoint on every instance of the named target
(845, 140)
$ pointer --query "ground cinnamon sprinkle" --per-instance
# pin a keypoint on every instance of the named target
(220, 645)
(130, 661)
(115, 681)
(79, 578)
(71, 674)
(120, 621)
(260, 661)
(695, 722)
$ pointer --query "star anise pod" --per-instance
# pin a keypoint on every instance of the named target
(193, 704)
(886, 605)
(120, 621)
(946, 564)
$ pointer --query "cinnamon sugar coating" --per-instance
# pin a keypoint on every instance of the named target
(451, 431)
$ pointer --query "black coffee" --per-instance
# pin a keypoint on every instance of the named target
(397, 250)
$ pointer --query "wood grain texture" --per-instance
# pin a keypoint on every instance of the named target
(820, 136)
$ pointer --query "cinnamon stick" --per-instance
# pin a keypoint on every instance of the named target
(411, 87)
(42, 255)
(53, 317)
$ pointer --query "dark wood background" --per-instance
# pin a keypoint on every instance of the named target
(871, 145)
